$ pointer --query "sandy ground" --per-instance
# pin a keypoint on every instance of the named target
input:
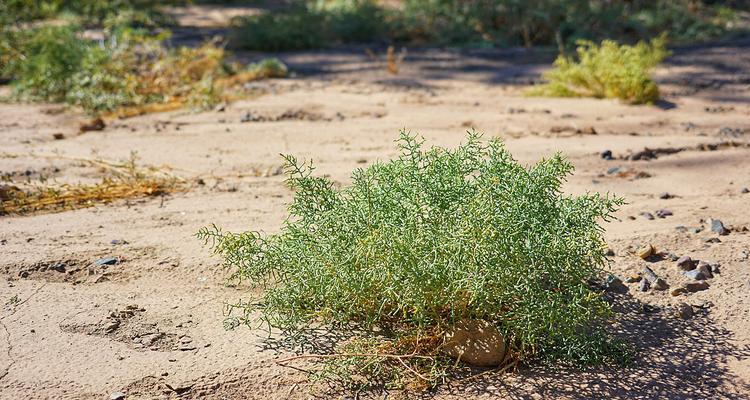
(344, 111)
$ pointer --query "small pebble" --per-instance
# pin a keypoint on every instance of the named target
(705, 269)
(695, 274)
(665, 196)
(718, 227)
(684, 310)
(745, 190)
(606, 154)
(117, 396)
(646, 251)
(644, 285)
(661, 284)
(696, 286)
(663, 213)
(685, 263)
(107, 261)
(633, 278)
(647, 215)
(678, 291)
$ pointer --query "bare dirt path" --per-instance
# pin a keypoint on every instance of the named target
(153, 327)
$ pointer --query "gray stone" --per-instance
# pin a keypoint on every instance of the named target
(107, 261)
(117, 396)
(647, 215)
(644, 285)
(718, 227)
(695, 275)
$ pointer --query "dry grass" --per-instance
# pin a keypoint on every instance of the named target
(124, 180)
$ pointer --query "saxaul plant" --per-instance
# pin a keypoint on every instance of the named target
(417, 243)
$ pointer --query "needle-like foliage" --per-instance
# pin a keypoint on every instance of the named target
(432, 237)
(608, 70)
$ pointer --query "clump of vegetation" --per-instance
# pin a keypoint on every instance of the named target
(308, 25)
(420, 242)
(123, 180)
(127, 73)
(314, 24)
(608, 70)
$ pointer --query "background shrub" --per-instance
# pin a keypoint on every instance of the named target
(608, 70)
(314, 24)
(128, 69)
(430, 238)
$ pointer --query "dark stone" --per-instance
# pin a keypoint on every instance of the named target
(614, 284)
(712, 240)
(59, 267)
(647, 215)
(696, 286)
(107, 261)
(648, 308)
(607, 154)
(663, 213)
(685, 263)
(745, 190)
(665, 196)
(684, 311)
(705, 269)
(610, 253)
(644, 285)
(718, 227)
(661, 284)
(715, 268)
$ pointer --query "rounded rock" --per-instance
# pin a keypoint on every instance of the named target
(475, 342)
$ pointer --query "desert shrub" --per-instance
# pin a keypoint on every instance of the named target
(430, 238)
(45, 63)
(314, 24)
(608, 70)
(125, 70)
(307, 25)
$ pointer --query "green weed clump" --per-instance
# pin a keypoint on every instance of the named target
(435, 236)
(127, 73)
(608, 70)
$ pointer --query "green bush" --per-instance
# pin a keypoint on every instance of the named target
(430, 238)
(125, 70)
(311, 25)
(46, 62)
(315, 24)
(607, 70)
